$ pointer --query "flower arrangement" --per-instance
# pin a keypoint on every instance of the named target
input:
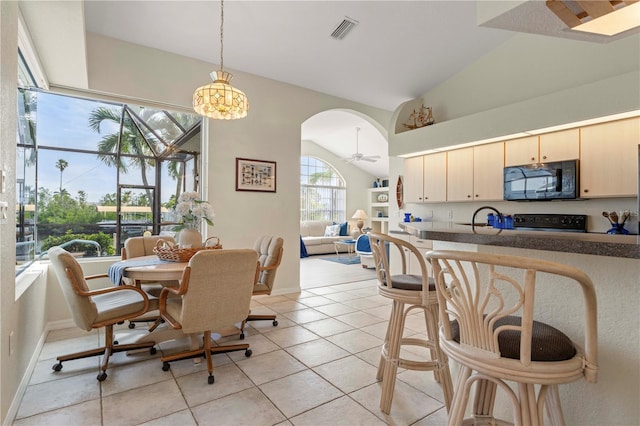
(191, 211)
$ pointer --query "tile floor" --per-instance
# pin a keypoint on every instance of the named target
(318, 367)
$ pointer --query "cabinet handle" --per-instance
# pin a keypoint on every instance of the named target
(544, 157)
(469, 196)
(586, 190)
(477, 195)
(533, 158)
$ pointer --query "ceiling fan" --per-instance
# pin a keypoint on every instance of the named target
(358, 156)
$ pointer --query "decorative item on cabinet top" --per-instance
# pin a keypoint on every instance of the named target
(383, 198)
(419, 118)
(399, 193)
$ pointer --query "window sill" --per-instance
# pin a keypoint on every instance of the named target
(28, 277)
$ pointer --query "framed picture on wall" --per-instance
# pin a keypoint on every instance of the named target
(255, 175)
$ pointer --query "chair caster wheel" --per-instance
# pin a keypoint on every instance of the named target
(115, 342)
(248, 353)
(241, 336)
(153, 350)
(166, 366)
(275, 323)
(57, 367)
(102, 376)
(211, 379)
(132, 325)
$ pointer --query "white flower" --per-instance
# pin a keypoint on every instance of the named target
(191, 211)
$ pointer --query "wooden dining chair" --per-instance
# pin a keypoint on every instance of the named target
(489, 327)
(101, 308)
(214, 295)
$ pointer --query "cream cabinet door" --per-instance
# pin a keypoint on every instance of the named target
(488, 166)
(413, 180)
(521, 151)
(460, 175)
(435, 177)
(609, 159)
(560, 146)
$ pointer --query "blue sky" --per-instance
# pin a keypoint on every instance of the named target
(64, 121)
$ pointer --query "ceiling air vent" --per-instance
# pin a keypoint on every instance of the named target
(344, 28)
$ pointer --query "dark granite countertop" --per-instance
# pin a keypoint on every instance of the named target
(623, 246)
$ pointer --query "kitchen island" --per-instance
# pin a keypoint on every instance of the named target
(612, 262)
(626, 246)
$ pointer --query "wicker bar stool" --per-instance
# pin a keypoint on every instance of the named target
(487, 326)
(408, 293)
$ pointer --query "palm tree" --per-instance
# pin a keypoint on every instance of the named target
(61, 165)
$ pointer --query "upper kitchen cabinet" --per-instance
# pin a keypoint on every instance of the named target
(609, 159)
(475, 174)
(425, 178)
(556, 146)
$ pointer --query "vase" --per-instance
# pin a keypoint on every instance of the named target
(189, 238)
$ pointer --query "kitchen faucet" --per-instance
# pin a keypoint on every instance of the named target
(473, 218)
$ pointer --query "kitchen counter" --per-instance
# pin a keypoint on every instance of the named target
(622, 246)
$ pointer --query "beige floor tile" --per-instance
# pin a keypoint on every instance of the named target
(300, 392)
(327, 327)
(86, 413)
(258, 344)
(348, 374)
(134, 376)
(43, 371)
(249, 407)
(51, 350)
(423, 381)
(379, 329)
(290, 336)
(313, 300)
(365, 291)
(273, 365)
(321, 291)
(68, 333)
(287, 306)
(438, 418)
(267, 326)
(409, 404)
(355, 341)
(371, 356)
(340, 412)
(268, 300)
(359, 319)
(335, 309)
(228, 379)
(181, 418)
(143, 404)
(305, 315)
(341, 296)
(317, 352)
(383, 312)
(363, 303)
(59, 393)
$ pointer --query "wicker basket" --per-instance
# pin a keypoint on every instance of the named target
(169, 251)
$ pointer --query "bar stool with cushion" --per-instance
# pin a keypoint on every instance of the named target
(417, 292)
(487, 326)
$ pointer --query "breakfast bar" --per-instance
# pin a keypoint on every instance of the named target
(613, 264)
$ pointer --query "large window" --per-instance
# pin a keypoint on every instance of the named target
(91, 174)
(322, 191)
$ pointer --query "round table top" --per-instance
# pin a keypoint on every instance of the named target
(165, 271)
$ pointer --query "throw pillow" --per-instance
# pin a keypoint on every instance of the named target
(344, 229)
(332, 230)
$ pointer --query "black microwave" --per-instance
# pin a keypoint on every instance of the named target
(542, 181)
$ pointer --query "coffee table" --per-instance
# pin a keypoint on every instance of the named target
(349, 244)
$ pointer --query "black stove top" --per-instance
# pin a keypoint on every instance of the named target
(550, 222)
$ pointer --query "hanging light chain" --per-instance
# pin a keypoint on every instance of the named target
(221, 35)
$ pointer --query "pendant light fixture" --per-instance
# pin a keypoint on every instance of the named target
(219, 100)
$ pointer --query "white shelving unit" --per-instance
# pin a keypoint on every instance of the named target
(379, 209)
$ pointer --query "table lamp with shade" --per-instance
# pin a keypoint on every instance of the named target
(360, 215)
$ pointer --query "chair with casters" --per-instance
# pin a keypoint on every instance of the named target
(408, 293)
(101, 308)
(143, 246)
(488, 326)
(269, 249)
(214, 295)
